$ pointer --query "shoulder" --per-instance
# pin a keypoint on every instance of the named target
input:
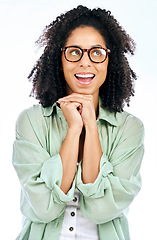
(130, 125)
(119, 119)
(31, 122)
(128, 118)
(31, 114)
(34, 111)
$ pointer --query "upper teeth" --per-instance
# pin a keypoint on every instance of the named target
(85, 75)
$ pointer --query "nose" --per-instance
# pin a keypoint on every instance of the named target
(85, 61)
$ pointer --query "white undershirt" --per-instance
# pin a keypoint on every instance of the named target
(75, 226)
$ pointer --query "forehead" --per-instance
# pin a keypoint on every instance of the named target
(85, 35)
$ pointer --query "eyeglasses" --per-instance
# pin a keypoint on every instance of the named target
(95, 54)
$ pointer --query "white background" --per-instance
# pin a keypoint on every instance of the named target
(21, 23)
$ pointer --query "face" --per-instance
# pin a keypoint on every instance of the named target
(84, 76)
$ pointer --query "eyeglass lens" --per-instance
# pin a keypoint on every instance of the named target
(74, 54)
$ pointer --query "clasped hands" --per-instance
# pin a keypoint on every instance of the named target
(78, 110)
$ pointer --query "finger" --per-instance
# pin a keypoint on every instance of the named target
(76, 96)
(79, 99)
(71, 105)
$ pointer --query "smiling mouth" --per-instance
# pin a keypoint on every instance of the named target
(85, 79)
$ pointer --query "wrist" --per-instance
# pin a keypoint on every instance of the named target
(75, 130)
(91, 127)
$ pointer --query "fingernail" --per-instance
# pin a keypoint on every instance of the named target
(61, 100)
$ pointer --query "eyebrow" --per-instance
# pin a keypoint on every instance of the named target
(96, 45)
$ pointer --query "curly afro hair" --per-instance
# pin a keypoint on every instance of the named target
(47, 75)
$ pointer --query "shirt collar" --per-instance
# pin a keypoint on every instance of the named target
(104, 114)
(47, 112)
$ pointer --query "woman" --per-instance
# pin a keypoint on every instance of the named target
(78, 154)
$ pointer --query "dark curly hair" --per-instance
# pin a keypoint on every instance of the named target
(47, 75)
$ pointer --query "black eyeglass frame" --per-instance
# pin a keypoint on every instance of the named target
(85, 50)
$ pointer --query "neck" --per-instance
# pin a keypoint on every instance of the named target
(96, 103)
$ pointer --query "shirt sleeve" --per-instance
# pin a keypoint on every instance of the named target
(119, 179)
(39, 173)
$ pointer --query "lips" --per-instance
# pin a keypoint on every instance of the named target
(84, 78)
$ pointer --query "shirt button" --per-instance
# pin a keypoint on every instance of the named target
(71, 229)
(75, 199)
(72, 214)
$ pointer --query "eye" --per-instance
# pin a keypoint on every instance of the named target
(97, 52)
(75, 52)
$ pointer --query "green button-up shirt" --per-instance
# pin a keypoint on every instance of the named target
(40, 133)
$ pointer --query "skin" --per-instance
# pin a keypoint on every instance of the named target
(82, 139)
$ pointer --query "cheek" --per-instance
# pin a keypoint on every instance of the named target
(65, 69)
(105, 67)
(66, 66)
(103, 73)
(103, 70)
